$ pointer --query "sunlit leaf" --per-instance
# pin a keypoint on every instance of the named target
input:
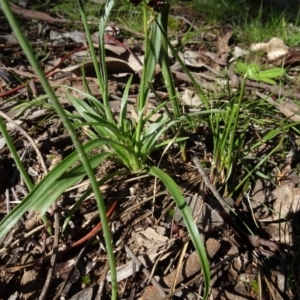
(184, 208)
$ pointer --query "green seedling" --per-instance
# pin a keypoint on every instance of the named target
(254, 72)
(86, 279)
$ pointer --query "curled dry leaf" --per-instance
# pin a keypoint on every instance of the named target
(223, 47)
(114, 66)
(274, 48)
(193, 59)
(112, 30)
(215, 58)
(238, 52)
(150, 237)
(190, 98)
(287, 201)
(291, 59)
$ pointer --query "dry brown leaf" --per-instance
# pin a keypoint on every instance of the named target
(281, 107)
(30, 285)
(223, 47)
(207, 217)
(126, 270)
(212, 247)
(150, 238)
(287, 200)
(286, 207)
(190, 98)
(193, 59)
(292, 58)
(274, 48)
(150, 293)
(114, 66)
(118, 50)
(215, 58)
(239, 52)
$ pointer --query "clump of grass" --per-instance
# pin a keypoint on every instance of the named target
(130, 143)
(239, 128)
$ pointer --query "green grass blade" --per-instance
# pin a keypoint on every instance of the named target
(123, 111)
(185, 68)
(263, 160)
(189, 221)
(165, 64)
(151, 138)
(272, 73)
(105, 92)
(152, 49)
(48, 190)
(97, 105)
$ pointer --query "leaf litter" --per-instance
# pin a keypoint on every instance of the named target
(147, 221)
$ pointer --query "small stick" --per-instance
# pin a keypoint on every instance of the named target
(53, 258)
(77, 243)
(210, 185)
(30, 140)
(254, 240)
(145, 271)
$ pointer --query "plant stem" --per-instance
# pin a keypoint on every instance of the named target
(167, 73)
(100, 68)
(144, 90)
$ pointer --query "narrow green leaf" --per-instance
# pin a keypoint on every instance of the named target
(272, 73)
(189, 221)
(268, 81)
(123, 111)
(90, 98)
(177, 140)
(49, 189)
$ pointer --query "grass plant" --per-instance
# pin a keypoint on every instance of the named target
(48, 193)
(129, 143)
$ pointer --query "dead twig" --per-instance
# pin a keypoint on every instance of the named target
(222, 202)
(179, 267)
(53, 258)
(30, 140)
(253, 240)
(145, 271)
(63, 291)
(25, 236)
(101, 281)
